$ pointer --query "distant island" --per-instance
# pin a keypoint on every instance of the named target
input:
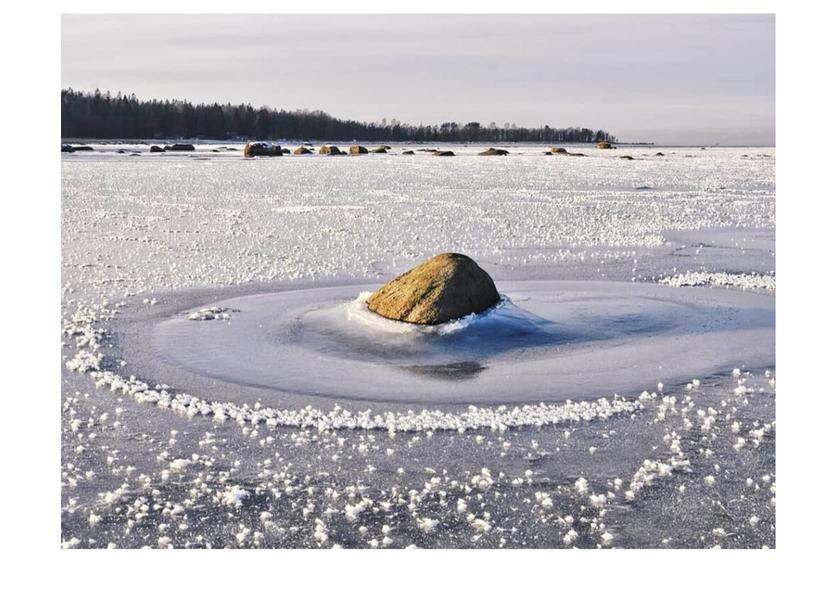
(105, 116)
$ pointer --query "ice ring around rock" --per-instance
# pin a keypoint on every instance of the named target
(543, 341)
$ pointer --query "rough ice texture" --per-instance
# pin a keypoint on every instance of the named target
(145, 224)
(208, 313)
(723, 279)
(678, 466)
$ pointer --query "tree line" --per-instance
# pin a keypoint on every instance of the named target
(98, 115)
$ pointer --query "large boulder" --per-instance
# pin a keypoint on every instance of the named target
(443, 153)
(558, 150)
(603, 145)
(408, 152)
(180, 147)
(330, 150)
(156, 149)
(357, 150)
(302, 151)
(252, 150)
(67, 149)
(448, 286)
(493, 151)
(380, 150)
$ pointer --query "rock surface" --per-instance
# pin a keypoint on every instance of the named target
(262, 149)
(493, 151)
(357, 150)
(447, 286)
(330, 150)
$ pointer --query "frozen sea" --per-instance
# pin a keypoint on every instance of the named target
(224, 385)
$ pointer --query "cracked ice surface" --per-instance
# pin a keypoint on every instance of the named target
(144, 463)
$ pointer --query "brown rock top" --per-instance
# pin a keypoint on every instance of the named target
(447, 286)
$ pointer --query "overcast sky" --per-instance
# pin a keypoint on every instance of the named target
(670, 79)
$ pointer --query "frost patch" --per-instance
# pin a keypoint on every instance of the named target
(211, 313)
(752, 282)
(84, 361)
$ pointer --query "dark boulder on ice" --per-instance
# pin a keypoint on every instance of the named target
(626, 157)
(660, 155)
(73, 148)
(380, 150)
(357, 150)
(302, 151)
(443, 153)
(447, 286)
(156, 149)
(330, 150)
(558, 150)
(493, 151)
(286, 150)
(252, 150)
(180, 147)
(408, 152)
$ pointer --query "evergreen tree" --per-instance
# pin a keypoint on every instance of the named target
(98, 115)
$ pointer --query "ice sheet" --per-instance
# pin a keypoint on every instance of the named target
(546, 341)
(157, 454)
